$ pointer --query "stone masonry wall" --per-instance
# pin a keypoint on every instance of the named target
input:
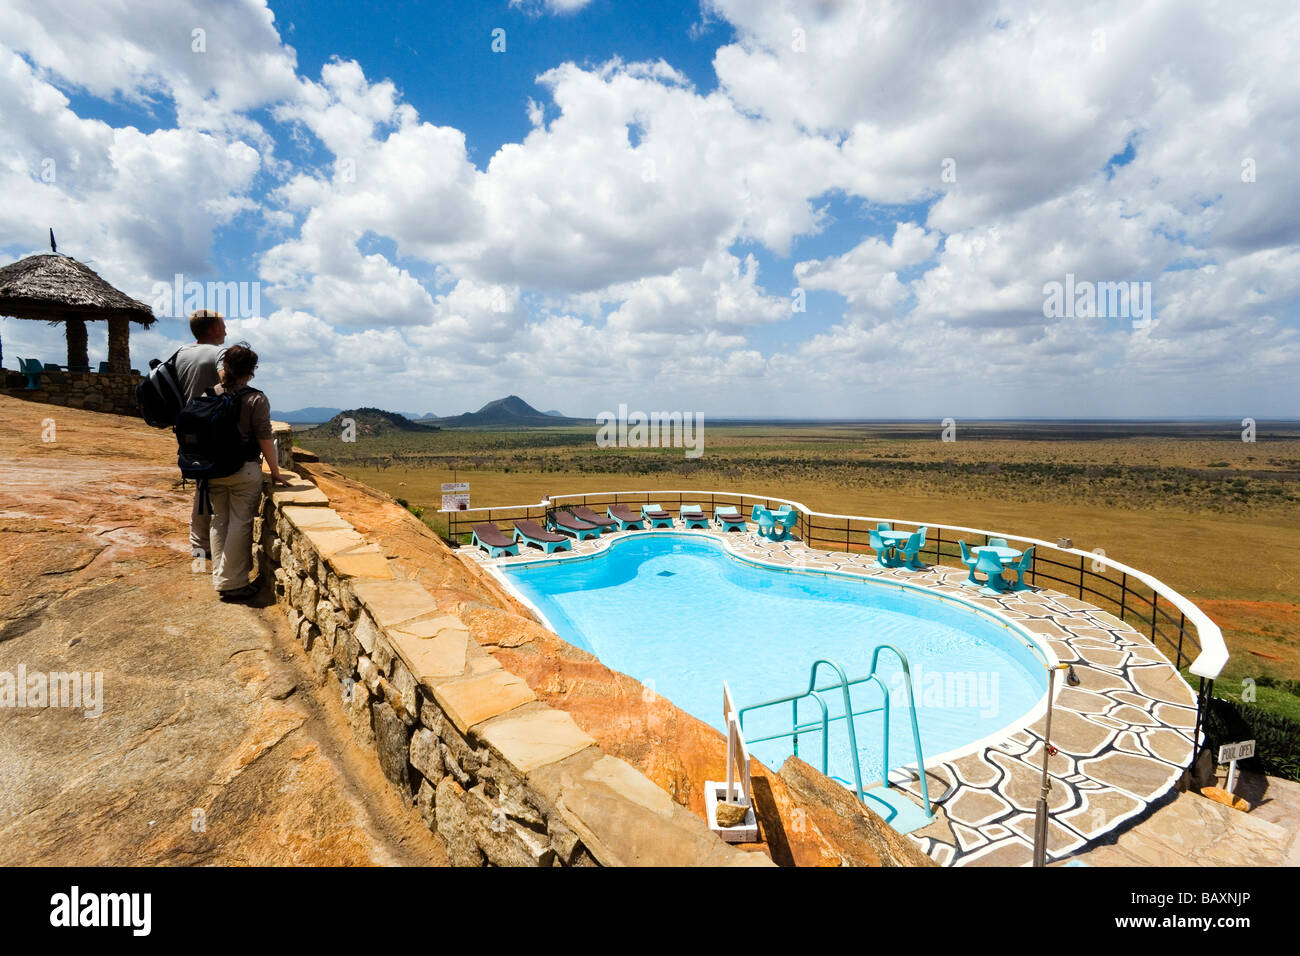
(110, 392)
(503, 778)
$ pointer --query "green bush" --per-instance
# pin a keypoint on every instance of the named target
(1277, 738)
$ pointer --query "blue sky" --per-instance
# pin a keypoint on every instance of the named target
(625, 205)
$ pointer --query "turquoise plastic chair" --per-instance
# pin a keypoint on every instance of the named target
(784, 521)
(884, 552)
(32, 369)
(884, 526)
(969, 560)
(103, 368)
(766, 521)
(1025, 563)
(991, 564)
(910, 549)
(997, 542)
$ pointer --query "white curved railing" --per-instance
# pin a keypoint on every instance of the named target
(1208, 664)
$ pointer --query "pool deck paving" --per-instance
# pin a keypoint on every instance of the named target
(1123, 736)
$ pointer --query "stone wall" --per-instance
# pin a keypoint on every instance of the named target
(110, 392)
(503, 778)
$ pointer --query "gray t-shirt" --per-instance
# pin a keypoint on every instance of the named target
(198, 368)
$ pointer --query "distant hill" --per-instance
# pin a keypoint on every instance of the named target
(369, 423)
(509, 412)
(553, 413)
(316, 414)
(312, 415)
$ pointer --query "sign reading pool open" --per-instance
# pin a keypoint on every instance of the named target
(681, 614)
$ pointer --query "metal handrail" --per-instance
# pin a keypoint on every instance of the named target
(848, 716)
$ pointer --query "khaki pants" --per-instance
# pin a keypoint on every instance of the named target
(235, 500)
(200, 528)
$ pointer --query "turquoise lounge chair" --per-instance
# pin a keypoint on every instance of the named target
(911, 548)
(729, 518)
(692, 517)
(567, 521)
(991, 564)
(884, 552)
(970, 561)
(625, 517)
(530, 532)
(657, 517)
(32, 369)
(1025, 563)
(490, 539)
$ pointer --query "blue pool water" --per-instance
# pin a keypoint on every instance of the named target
(681, 615)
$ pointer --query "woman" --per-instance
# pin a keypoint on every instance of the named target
(235, 498)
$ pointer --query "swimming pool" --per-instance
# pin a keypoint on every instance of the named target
(681, 613)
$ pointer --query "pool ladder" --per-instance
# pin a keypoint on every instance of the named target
(842, 683)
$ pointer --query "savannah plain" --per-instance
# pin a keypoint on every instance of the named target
(1212, 515)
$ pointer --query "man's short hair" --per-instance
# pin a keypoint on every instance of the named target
(202, 321)
(236, 362)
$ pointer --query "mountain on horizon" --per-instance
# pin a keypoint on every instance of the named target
(370, 422)
(509, 412)
(554, 414)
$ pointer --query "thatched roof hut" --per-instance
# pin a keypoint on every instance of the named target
(58, 288)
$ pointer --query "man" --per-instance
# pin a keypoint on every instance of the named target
(197, 368)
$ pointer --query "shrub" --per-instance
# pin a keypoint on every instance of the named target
(1277, 738)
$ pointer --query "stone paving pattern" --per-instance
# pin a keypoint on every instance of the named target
(1123, 735)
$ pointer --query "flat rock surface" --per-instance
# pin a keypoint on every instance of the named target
(216, 744)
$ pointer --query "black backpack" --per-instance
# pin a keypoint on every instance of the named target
(159, 394)
(208, 438)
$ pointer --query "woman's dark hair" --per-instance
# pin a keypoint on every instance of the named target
(237, 362)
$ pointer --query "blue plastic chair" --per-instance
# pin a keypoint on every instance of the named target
(783, 521)
(884, 552)
(884, 526)
(103, 368)
(991, 564)
(997, 542)
(1025, 563)
(910, 549)
(969, 560)
(32, 369)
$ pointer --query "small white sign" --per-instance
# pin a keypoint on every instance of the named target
(455, 496)
(1238, 751)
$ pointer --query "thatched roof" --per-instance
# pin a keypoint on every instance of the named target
(55, 287)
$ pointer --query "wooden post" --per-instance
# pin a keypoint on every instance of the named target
(75, 329)
(119, 345)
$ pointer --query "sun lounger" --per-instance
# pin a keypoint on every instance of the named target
(583, 513)
(564, 521)
(492, 540)
(626, 517)
(693, 517)
(729, 518)
(657, 517)
(530, 532)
